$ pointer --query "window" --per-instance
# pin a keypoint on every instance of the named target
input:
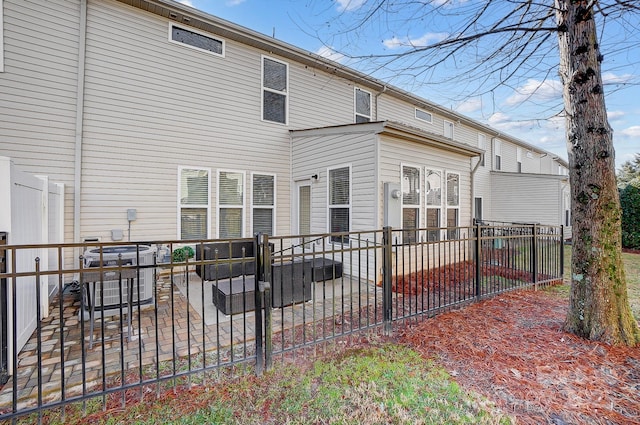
(363, 105)
(477, 209)
(339, 202)
(410, 203)
(498, 154)
(448, 129)
(453, 204)
(424, 116)
(263, 201)
(482, 144)
(519, 159)
(275, 88)
(230, 204)
(434, 203)
(194, 203)
(196, 40)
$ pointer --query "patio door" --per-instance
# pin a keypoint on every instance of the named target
(303, 209)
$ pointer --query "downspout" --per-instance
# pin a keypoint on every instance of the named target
(384, 89)
(77, 176)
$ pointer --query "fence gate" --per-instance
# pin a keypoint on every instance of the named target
(4, 365)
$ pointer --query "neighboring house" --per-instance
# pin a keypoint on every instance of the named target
(184, 125)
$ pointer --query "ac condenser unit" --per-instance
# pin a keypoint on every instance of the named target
(105, 293)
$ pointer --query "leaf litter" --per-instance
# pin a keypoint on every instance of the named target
(512, 349)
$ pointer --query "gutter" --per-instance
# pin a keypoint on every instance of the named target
(473, 186)
(77, 172)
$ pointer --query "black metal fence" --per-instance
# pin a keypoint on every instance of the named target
(146, 316)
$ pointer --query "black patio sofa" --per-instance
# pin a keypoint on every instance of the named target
(232, 276)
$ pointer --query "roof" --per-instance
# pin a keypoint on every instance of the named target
(181, 13)
(396, 130)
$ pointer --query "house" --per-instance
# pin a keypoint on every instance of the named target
(165, 122)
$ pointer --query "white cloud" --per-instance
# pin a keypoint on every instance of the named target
(633, 131)
(614, 115)
(348, 5)
(536, 90)
(425, 40)
(611, 78)
(469, 106)
(329, 53)
(186, 2)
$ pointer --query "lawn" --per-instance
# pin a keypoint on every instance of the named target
(500, 361)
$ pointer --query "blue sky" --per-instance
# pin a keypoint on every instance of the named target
(524, 109)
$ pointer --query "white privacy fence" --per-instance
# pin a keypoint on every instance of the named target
(31, 212)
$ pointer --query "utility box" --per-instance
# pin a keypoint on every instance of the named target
(392, 205)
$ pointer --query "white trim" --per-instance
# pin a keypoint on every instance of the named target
(285, 93)
(355, 101)
(190, 46)
(447, 206)
(451, 125)
(430, 120)
(438, 207)
(475, 213)
(241, 206)
(329, 206)
(181, 205)
(272, 207)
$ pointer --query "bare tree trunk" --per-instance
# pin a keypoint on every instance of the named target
(599, 307)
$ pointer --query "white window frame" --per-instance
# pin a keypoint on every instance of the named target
(348, 206)
(181, 168)
(264, 207)
(417, 206)
(482, 144)
(497, 155)
(196, 31)
(442, 199)
(448, 206)
(448, 124)
(221, 206)
(430, 120)
(355, 105)
(285, 92)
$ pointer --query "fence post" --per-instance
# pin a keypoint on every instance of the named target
(257, 251)
(265, 289)
(562, 259)
(478, 260)
(387, 248)
(534, 255)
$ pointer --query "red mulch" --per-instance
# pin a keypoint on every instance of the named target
(512, 349)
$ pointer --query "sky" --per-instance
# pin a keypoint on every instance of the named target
(525, 108)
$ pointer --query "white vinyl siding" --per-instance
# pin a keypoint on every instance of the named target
(275, 90)
(497, 148)
(339, 201)
(194, 203)
(263, 198)
(362, 105)
(231, 201)
(1, 35)
(194, 39)
(519, 159)
(411, 178)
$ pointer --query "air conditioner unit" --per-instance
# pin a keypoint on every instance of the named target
(105, 292)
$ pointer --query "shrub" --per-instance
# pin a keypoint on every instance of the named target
(181, 254)
(630, 203)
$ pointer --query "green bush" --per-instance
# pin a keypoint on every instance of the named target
(181, 254)
(630, 203)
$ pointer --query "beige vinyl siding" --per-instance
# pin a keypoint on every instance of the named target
(38, 85)
(527, 198)
(395, 152)
(316, 152)
(509, 157)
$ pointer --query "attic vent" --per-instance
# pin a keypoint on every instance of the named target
(196, 40)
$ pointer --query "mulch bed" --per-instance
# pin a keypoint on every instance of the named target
(512, 349)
